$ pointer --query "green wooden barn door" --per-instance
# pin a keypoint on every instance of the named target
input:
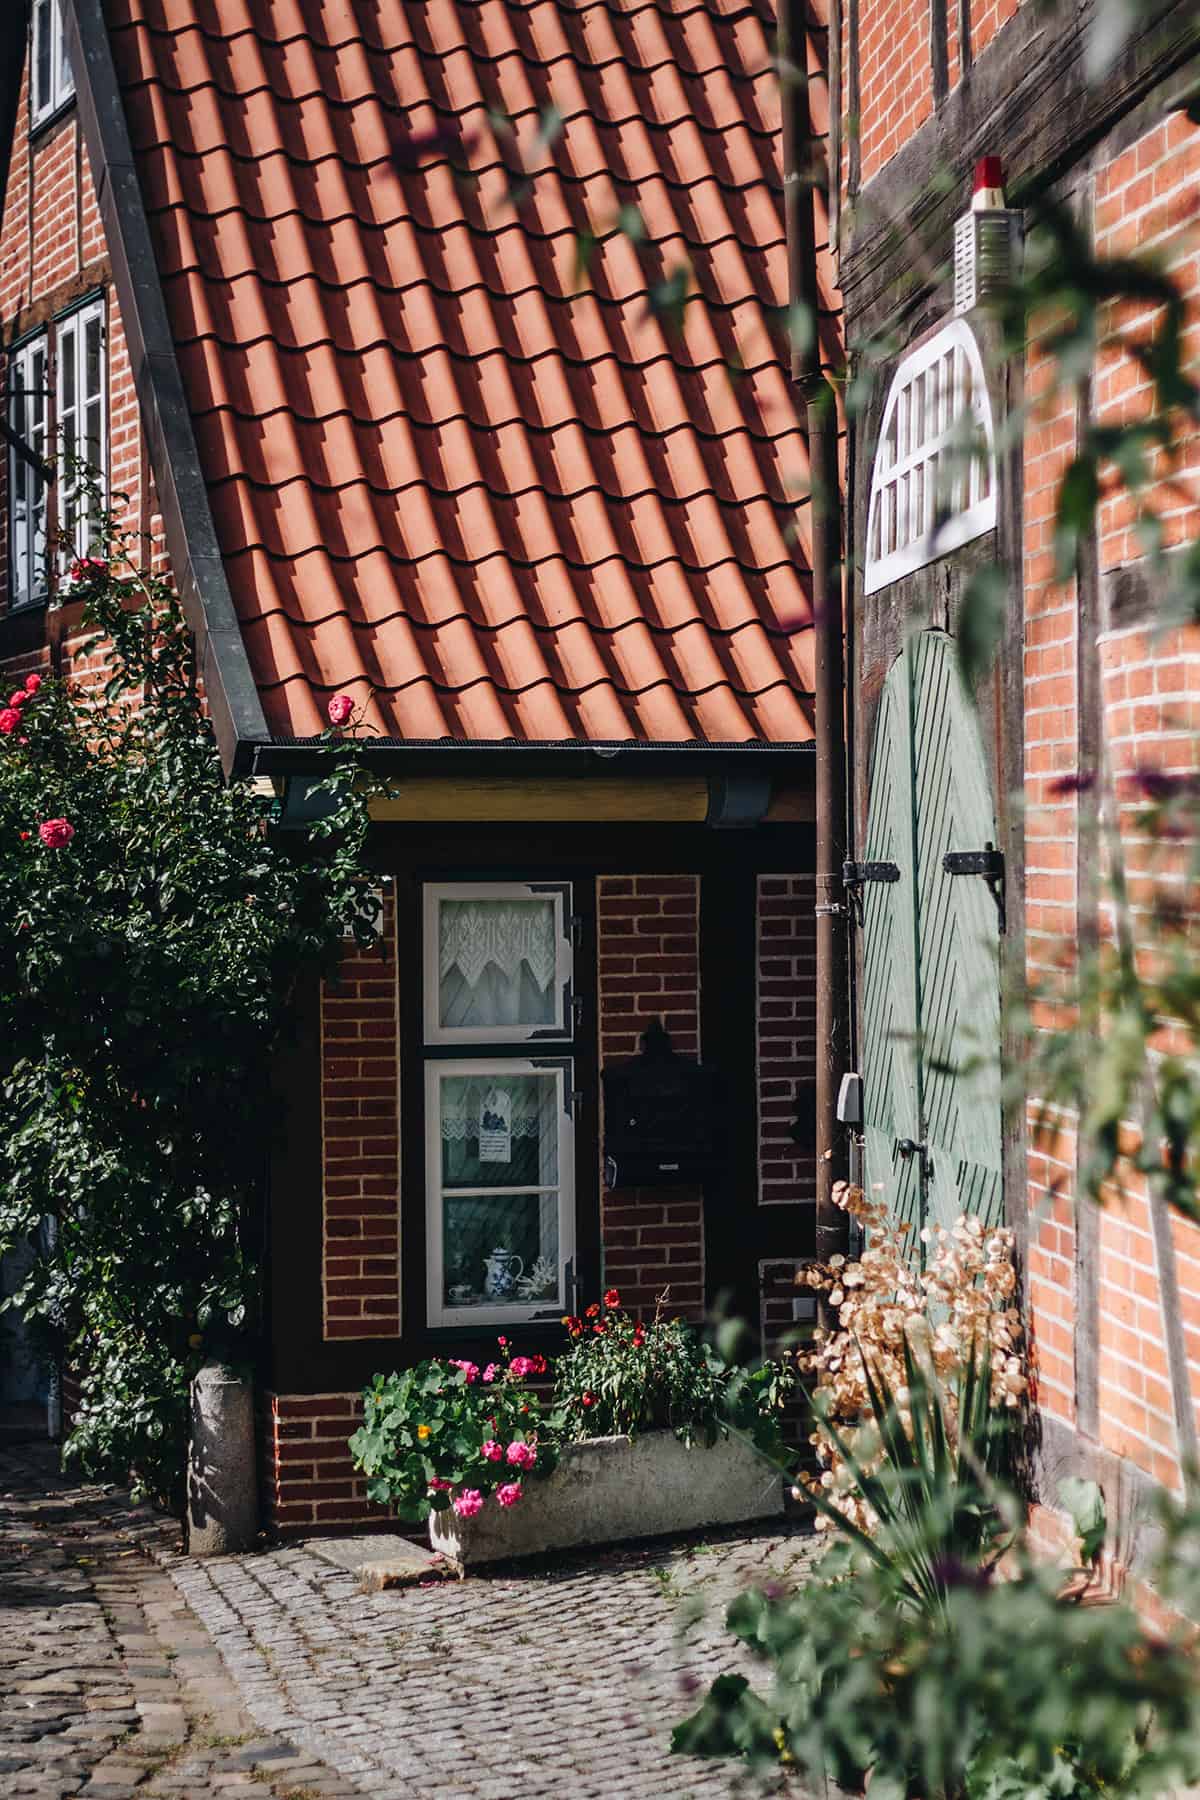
(891, 1065)
(931, 1018)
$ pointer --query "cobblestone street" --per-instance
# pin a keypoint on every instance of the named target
(127, 1666)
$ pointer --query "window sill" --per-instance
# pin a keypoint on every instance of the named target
(45, 125)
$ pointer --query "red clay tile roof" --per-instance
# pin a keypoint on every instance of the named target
(451, 475)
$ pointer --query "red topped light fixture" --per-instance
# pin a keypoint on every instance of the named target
(987, 194)
(986, 239)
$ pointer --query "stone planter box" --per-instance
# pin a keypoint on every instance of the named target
(614, 1488)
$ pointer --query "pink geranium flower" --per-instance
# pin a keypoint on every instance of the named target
(522, 1456)
(492, 1450)
(509, 1494)
(32, 683)
(340, 709)
(491, 1372)
(18, 699)
(54, 833)
(438, 1486)
(469, 1369)
(520, 1366)
(470, 1501)
(10, 718)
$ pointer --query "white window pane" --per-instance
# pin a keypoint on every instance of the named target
(499, 1130)
(501, 1250)
(497, 963)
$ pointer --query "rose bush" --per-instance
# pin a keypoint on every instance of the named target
(450, 1434)
(155, 925)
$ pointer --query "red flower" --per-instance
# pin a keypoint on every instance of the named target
(612, 1298)
(340, 709)
(55, 833)
(593, 1310)
(32, 683)
(87, 568)
(539, 1364)
(599, 1328)
(24, 837)
(18, 699)
(503, 1342)
(587, 1399)
(10, 718)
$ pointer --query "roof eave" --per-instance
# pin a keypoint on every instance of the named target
(191, 538)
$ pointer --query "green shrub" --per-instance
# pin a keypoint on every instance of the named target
(447, 1433)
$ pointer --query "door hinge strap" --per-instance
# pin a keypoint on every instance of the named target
(854, 873)
(988, 862)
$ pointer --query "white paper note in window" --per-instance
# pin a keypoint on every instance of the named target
(495, 1126)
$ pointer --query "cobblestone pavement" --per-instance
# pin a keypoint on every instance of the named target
(109, 1685)
(562, 1679)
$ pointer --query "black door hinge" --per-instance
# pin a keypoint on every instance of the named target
(988, 862)
(854, 874)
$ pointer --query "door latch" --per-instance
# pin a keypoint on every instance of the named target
(909, 1147)
(988, 862)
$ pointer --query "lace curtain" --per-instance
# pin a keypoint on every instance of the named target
(496, 962)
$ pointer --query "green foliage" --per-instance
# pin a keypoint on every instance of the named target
(930, 1496)
(621, 1376)
(424, 1430)
(145, 972)
(1005, 1691)
(910, 1656)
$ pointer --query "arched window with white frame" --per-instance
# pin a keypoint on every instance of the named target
(933, 486)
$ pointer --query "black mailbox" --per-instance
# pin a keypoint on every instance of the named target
(661, 1118)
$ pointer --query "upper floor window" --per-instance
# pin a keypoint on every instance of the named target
(933, 486)
(57, 407)
(29, 421)
(52, 82)
(81, 421)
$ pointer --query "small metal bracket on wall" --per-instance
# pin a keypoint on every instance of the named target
(988, 862)
(854, 874)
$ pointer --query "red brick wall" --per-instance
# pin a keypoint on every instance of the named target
(361, 1142)
(786, 1010)
(894, 78)
(648, 948)
(309, 1482)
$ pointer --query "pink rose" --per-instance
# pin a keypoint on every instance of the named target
(469, 1369)
(522, 1456)
(491, 1372)
(18, 699)
(470, 1501)
(339, 709)
(54, 833)
(32, 683)
(509, 1494)
(10, 718)
(492, 1450)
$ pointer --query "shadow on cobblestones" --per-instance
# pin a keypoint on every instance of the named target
(108, 1684)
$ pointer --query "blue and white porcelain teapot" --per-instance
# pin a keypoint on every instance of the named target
(501, 1275)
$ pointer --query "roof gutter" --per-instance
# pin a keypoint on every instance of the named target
(805, 170)
(191, 538)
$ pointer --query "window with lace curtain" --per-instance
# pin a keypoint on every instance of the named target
(498, 1125)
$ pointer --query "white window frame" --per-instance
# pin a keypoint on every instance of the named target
(27, 559)
(70, 355)
(48, 21)
(562, 1030)
(937, 389)
(517, 1312)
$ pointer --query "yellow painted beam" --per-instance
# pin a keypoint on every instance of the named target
(433, 798)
